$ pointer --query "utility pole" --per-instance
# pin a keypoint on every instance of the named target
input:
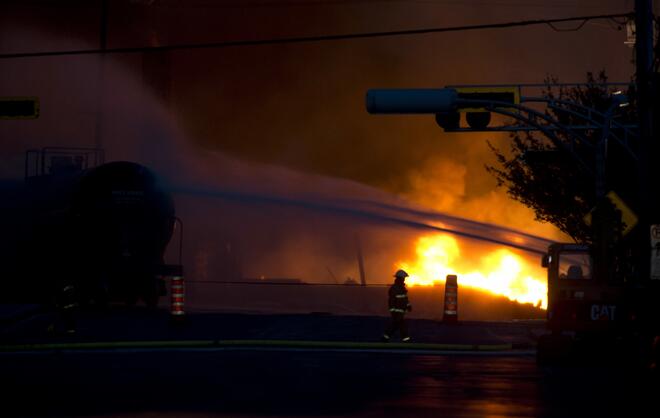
(648, 148)
(360, 259)
(103, 32)
(100, 80)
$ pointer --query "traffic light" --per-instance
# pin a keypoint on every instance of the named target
(498, 96)
(446, 104)
(448, 120)
(477, 120)
(19, 107)
(477, 115)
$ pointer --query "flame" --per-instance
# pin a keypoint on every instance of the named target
(501, 271)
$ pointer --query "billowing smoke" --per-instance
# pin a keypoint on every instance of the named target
(247, 220)
(457, 188)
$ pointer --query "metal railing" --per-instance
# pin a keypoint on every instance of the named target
(60, 160)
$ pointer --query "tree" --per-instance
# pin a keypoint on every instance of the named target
(557, 178)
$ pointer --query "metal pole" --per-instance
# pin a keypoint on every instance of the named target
(602, 220)
(601, 157)
(644, 69)
(358, 245)
(103, 32)
(103, 44)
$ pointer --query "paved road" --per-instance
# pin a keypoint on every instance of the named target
(143, 324)
(236, 383)
(282, 381)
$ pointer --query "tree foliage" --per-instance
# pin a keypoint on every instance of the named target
(556, 177)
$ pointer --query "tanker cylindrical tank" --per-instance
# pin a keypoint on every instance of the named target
(124, 219)
(103, 229)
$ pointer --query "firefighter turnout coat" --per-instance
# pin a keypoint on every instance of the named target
(398, 298)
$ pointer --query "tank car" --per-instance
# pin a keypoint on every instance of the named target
(102, 228)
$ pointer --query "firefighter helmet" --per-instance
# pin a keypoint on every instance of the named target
(400, 274)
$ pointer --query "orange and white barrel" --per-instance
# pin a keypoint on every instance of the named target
(451, 299)
(178, 296)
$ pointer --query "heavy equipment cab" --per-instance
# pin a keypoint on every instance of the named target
(579, 301)
(585, 307)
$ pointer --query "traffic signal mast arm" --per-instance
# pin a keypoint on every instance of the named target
(469, 98)
(479, 101)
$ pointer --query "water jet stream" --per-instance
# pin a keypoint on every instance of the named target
(462, 227)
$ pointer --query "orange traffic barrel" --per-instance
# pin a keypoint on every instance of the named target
(451, 299)
(178, 297)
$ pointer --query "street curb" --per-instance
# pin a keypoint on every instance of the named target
(201, 344)
(20, 315)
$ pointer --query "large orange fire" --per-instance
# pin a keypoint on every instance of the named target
(499, 271)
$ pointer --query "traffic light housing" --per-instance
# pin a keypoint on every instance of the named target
(446, 104)
(448, 120)
(477, 115)
(499, 96)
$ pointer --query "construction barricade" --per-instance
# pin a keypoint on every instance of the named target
(178, 296)
(451, 299)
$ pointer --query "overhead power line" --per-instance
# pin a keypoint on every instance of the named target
(312, 39)
(315, 3)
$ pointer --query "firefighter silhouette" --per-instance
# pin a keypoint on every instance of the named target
(398, 306)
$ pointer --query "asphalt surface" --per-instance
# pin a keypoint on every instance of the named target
(148, 325)
(279, 380)
(201, 383)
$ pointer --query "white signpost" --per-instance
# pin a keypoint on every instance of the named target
(655, 252)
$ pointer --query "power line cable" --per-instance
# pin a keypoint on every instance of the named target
(312, 39)
(575, 29)
(274, 3)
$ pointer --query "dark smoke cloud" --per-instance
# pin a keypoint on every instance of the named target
(302, 105)
(283, 122)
